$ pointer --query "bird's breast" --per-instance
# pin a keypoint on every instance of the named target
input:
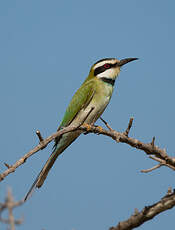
(99, 102)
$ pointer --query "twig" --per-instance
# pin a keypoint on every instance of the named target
(107, 125)
(151, 169)
(129, 127)
(147, 213)
(38, 133)
(39, 136)
(163, 162)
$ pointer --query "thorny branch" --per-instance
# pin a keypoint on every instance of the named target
(147, 213)
(154, 152)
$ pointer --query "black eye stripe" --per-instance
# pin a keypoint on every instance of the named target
(102, 68)
(99, 70)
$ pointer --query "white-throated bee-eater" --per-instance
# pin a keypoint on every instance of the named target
(88, 103)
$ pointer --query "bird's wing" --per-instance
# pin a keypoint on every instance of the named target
(80, 100)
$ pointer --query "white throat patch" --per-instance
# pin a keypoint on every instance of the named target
(109, 73)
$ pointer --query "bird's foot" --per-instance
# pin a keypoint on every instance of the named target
(100, 129)
(88, 128)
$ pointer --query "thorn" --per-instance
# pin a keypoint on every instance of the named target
(136, 212)
(39, 136)
(7, 165)
(164, 150)
(153, 142)
(107, 125)
(117, 139)
(126, 133)
(170, 191)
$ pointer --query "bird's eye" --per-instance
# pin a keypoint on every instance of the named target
(107, 66)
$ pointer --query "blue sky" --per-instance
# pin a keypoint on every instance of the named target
(46, 51)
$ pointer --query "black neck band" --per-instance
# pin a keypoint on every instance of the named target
(108, 80)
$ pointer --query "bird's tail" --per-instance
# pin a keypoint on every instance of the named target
(43, 173)
(48, 165)
(60, 147)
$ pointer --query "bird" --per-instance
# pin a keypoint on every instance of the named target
(87, 105)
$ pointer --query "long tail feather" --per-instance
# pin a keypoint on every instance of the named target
(59, 148)
(43, 173)
(31, 190)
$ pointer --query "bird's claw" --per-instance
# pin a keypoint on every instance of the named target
(88, 127)
(100, 129)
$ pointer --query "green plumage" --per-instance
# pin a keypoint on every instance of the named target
(95, 92)
(79, 101)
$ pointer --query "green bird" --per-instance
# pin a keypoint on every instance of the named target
(87, 105)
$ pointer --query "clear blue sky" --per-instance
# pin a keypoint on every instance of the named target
(46, 51)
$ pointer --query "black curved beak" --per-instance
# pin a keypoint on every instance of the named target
(125, 61)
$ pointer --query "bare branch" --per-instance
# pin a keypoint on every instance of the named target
(10, 204)
(40, 146)
(154, 152)
(147, 213)
(150, 149)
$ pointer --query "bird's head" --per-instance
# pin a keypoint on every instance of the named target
(109, 67)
